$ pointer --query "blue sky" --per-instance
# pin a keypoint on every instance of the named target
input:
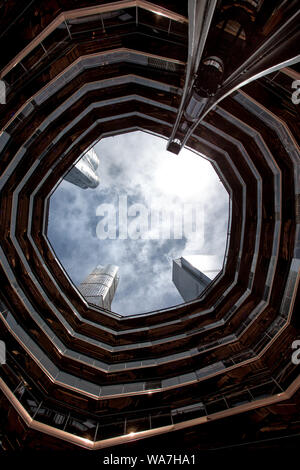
(138, 167)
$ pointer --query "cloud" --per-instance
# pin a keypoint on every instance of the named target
(138, 167)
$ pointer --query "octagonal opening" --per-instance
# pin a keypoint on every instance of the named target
(137, 228)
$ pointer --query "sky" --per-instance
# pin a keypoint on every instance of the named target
(150, 207)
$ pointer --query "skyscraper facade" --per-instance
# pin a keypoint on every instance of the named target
(189, 281)
(100, 286)
(83, 173)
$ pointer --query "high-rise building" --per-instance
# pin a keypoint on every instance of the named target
(100, 286)
(83, 173)
(221, 78)
(189, 281)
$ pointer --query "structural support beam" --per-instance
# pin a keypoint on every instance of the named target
(200, 17)
(279, 50)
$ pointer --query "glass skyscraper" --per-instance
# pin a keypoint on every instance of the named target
(83, 173)
(100, 286)
(189, 281)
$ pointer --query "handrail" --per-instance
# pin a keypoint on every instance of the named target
(87, 11)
